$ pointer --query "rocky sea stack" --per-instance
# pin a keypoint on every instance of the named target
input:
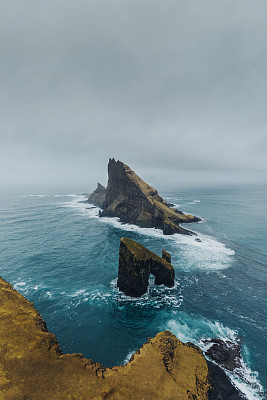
(128, 197)
(136, 263)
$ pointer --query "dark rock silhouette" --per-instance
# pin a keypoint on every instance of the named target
(132, 200)
(225, 353)
(221, 386)
(136, 263)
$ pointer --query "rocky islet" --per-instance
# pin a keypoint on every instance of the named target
(131, 199)
(136, 263)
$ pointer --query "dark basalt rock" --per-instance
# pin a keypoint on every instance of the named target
(132, 200)
(225, 353)
(98, 196)
(136, 263)
(221, 386)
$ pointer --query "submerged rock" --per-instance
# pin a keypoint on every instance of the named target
(132, 200)
(136, 263)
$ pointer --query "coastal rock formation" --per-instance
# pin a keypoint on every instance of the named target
(221, 387)
(136, 263)
(98, 197)
(166, 256)
(33, 367)
(224, 352)
(132, 200)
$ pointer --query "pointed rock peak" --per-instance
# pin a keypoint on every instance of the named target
(134, 201)
(100, 188)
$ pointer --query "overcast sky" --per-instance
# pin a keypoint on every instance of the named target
(176, 89)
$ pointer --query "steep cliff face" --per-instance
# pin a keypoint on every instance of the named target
(134, 201)
(33, 367)
(136, 263)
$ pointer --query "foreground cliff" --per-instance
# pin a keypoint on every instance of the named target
(132, 200)
(136, 263)
(32, 365)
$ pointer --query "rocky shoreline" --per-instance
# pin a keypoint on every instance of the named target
(34, 367)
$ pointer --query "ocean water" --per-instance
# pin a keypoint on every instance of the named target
(60, 255)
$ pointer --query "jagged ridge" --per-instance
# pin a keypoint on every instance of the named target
(134, 201)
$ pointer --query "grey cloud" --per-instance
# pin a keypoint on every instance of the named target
(165, 86)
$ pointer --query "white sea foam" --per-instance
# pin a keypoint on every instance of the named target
(28, 287)
(19, 285)
(191, 203)
(128, 357)
(23, 286)
(197, 330)
(99, 296)
(156, 296)
(79, 203)
(209, 254)
(206, 254)
(50, 195)
(189, 329)
(247, 382)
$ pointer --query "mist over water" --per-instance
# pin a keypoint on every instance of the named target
(59, 254)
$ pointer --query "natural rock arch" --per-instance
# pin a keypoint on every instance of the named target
(136, 263)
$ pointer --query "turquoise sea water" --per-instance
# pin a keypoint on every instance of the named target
(59, 254)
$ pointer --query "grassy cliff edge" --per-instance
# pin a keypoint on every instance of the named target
(32, 365)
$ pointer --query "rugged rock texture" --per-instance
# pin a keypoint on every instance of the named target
(166, 256)
(136, 263)
(225, 353)
(221, 387)
(134, 201)
(98, 197)
(32, 366)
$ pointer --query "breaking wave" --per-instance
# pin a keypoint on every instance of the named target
(206, 253)
(197, 330)
(157, 297)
